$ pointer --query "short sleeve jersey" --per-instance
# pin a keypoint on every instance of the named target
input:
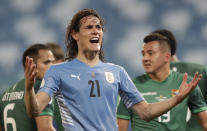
(191, 69)
(153, 91)
(13, 110)
(87, 96)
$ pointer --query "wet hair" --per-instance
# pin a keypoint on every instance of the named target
(170, 36)
(56, 50)
(164, 42)
(33, 52)
(75, 23)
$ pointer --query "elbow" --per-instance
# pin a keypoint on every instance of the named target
(146, 118)
(33, 114)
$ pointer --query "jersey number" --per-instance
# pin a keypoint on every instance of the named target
(165, 117)
(92, 83)
(9, 120)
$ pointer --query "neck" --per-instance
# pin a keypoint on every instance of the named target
(89, 59)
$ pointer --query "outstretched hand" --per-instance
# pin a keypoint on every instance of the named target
(29, 73)
(186, 88)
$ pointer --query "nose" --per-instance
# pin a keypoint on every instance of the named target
(95, 30)
(145, 58)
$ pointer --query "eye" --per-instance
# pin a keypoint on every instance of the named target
(98, 26)
(143, 53)
(89, 27)
(47, 62)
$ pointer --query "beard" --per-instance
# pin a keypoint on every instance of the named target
(90, 55)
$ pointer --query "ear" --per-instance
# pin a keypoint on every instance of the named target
(74, 35)
(167, 56)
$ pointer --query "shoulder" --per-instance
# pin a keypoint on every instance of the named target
(189, 65)
(141, 79)
(112, 66)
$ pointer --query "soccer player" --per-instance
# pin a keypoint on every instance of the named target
(158, 84)
(87, 87)
(12, 107)
(190, 68)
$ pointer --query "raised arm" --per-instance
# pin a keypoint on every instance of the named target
(34, 103)
(149, 111)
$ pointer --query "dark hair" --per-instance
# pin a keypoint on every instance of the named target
(71, 44)
(157, 37)
(56, 50)
(33, 52)
(170, 36)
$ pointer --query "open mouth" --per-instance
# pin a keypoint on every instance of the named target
(94, 40)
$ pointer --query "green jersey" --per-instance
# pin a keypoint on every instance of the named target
(153, 91)
(13, 110)
(191, 69)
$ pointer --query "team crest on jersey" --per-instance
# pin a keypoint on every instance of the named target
(174, 92)
(109, 77)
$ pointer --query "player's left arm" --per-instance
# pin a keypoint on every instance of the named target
(202, 117)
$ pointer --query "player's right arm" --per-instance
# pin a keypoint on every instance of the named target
(34, 103)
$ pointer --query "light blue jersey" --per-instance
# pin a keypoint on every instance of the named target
(87, 96)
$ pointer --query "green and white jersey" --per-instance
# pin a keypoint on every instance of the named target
(153, 91)
(191, 69)
(13, 110)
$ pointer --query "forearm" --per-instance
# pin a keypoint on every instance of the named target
(149, 111)
(31, 102)
(159, 108)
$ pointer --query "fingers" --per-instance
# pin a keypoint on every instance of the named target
(185, 77)
(30, 68)
(196, 79)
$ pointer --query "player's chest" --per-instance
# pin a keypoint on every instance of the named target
(93, 83)
(157, 94)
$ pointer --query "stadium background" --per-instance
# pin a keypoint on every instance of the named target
(24, 22)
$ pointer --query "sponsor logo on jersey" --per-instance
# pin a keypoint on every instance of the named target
(149, 93)
(160, 98)
(174, 92)
(109, 77)
(75, 76)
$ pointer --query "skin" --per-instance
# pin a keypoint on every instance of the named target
(156, 63)
(88, 53)
(90, 29)
(44, 61)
